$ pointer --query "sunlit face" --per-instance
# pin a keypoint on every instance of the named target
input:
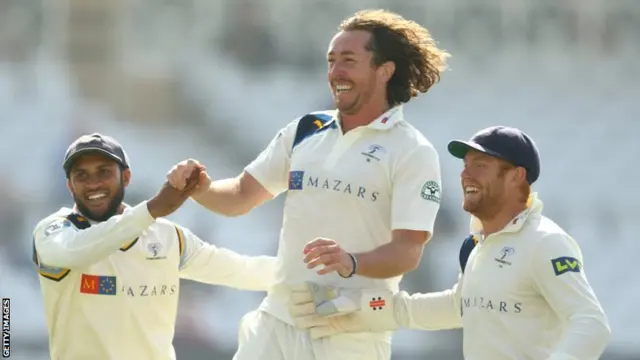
(97, 185)
(487, 183)
(353, 79)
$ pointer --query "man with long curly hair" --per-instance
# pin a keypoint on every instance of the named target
(362, 186)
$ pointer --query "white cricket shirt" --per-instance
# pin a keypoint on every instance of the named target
(523, 295)
(354, 188)
(111, 289)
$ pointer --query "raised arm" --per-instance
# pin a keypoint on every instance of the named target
(263, 179)
(60, 243)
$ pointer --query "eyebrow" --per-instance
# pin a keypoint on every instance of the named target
(100, 167)
(345, 52)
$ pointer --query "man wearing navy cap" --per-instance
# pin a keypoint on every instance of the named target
(110, 273)
(522, 292)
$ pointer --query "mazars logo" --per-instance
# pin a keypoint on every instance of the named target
(491, 305)
(298, 181)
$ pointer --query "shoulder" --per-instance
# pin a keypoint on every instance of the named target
(54, 222)
(166, 226)
(174, 235)
(543, 230)
(323, 114)
(414, 150)
(319, 117)
(171, 230)
(548, 238)
(309, 124)
(412, 140)
(468, 244)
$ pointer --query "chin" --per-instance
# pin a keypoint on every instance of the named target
(470, 207)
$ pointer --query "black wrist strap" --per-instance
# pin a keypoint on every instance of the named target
(355, 267)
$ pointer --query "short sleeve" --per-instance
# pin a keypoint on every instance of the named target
(416, 190)
(271, 167)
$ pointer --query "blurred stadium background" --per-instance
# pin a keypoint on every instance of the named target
(215, 80)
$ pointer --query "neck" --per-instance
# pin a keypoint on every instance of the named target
(500, 220)
(363, 117)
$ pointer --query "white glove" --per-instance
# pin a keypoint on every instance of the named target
(327, 310)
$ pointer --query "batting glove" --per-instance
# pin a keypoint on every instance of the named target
(327, 310)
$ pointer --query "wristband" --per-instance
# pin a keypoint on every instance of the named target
(355, 267)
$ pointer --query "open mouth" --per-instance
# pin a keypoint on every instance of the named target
(468, 190)
(343, 88)
(97, 196)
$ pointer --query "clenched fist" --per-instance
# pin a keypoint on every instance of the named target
(169, 199)
(181, 172)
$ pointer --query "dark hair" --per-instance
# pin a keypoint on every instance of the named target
(404, 42)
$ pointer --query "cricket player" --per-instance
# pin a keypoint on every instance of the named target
(522, 292)
(361, 177)
(109, 273)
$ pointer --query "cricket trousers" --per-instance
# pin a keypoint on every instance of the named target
(264, 337)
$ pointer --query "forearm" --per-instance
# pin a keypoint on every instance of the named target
(256, 273)
(218, 266)
(224, 197)
(389, 260)
(586, 337)
(73, 248)
(432, 311)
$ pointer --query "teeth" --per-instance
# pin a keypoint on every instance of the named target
(97, 196)
(470, 189)
(342, 88)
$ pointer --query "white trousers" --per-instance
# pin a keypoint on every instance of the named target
(264, 337)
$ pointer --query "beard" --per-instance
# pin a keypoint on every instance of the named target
(349, 108)
(112, 209)
(485, 207)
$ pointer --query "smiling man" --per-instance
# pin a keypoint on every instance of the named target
(363, 185)
(110, 273)
(522, 292)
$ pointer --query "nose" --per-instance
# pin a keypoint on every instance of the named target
(93, 183)
(465, 173)
(336, 71)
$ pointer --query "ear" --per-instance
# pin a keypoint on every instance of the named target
(69, 186)
(520, 175)
(126, 177)
(387, 70)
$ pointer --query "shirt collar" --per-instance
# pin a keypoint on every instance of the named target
(534, 207)
(383, 122)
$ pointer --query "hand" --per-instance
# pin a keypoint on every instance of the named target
(178, 175)
(169, 199)
(326, 310)
(328, 253)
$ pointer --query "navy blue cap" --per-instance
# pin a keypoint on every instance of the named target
(507, 143)
(95, 143)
